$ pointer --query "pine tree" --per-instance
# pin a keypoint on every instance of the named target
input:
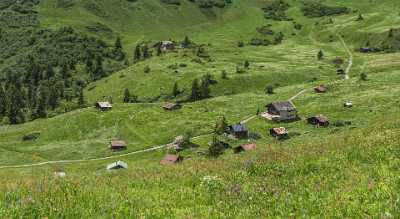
(137, 55)
(43, 98)
(15, 113)
(98, 69)
(159, 50)
(360, 17)
(186, 42)
(205, 89)
(3, 102)
(246, 64)
(195, 94)
(216, 148)
(53, 101)
(118, 50)
(81, 98)
(224, 74)
(221, 126)
(175, 90)
(320, 55)
(146, 52)
(127, 96)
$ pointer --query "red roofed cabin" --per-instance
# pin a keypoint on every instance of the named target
(279, 133)
(117, 145)
(321, 89)
(171, 159)
(320, 121)
(245, 147)
(103, 106)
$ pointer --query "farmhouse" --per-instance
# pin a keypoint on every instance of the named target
(281, 111)
(117, 165)
(103, 106)
(279, 133)
(167, 45)
(321, 89)
(245, 147)
(171, 106)
(117, 145)
(239, 131)
(320, 121)
(171, 159)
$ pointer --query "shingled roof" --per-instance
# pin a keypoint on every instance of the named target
(283, 106)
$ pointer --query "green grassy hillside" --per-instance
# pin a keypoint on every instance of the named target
(347, 170)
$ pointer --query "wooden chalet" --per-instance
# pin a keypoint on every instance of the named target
(279, 133)
(281, 111)
(117, 145)
(240, 131)
(320, 121)
(103, 106)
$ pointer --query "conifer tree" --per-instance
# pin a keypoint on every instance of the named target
(175, 90)
(3, 102)
(195, 93)
(127, 96)
(81, 98)
(15, 113)
(137, 55)
(43, 98)
(146, 52)
(205, 89)
(221, 126)
(320, 55)
(216, 148)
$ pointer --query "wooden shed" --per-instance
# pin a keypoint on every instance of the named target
(103, 106)
(239, 131)
(244, 147)
(321, 89)
(281, 111)
(117, 145)
(279, 133)
(320, 121)
(171, 106)
(171, 159)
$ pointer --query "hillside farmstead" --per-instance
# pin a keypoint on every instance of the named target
(103, 106)
(245, 147)
(320, 121)
(117, 145)
(171, 159)
(279, 133)
(281, 111)
(117, 165)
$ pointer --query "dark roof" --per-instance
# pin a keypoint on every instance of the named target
(283, 106)
(239, 128)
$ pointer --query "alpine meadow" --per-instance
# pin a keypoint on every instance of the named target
(199, 109)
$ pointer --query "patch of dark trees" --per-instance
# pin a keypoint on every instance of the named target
(317, 9)
(201, 3)
(276, 10)
(43, 72)
(388, 42)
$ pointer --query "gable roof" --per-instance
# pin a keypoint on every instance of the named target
(280, 130)
(321, 118)
(117, 165)
(248, 147)
(170, 159)
(283, 106)
(321, 88)
(170, 106)
(104, 104)
(118, 143)
(239, 128)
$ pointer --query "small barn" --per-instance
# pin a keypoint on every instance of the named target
(167, 45)
(245, 147)
(281, 111)
(348, 104)
(103, 106)
(239, 131)
(321, 89)
(171, 159)
(117, 145)
(279, 133)
(320, 121)
(117, 165)
(171, 106)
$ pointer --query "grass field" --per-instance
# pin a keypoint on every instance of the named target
(343, 171)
